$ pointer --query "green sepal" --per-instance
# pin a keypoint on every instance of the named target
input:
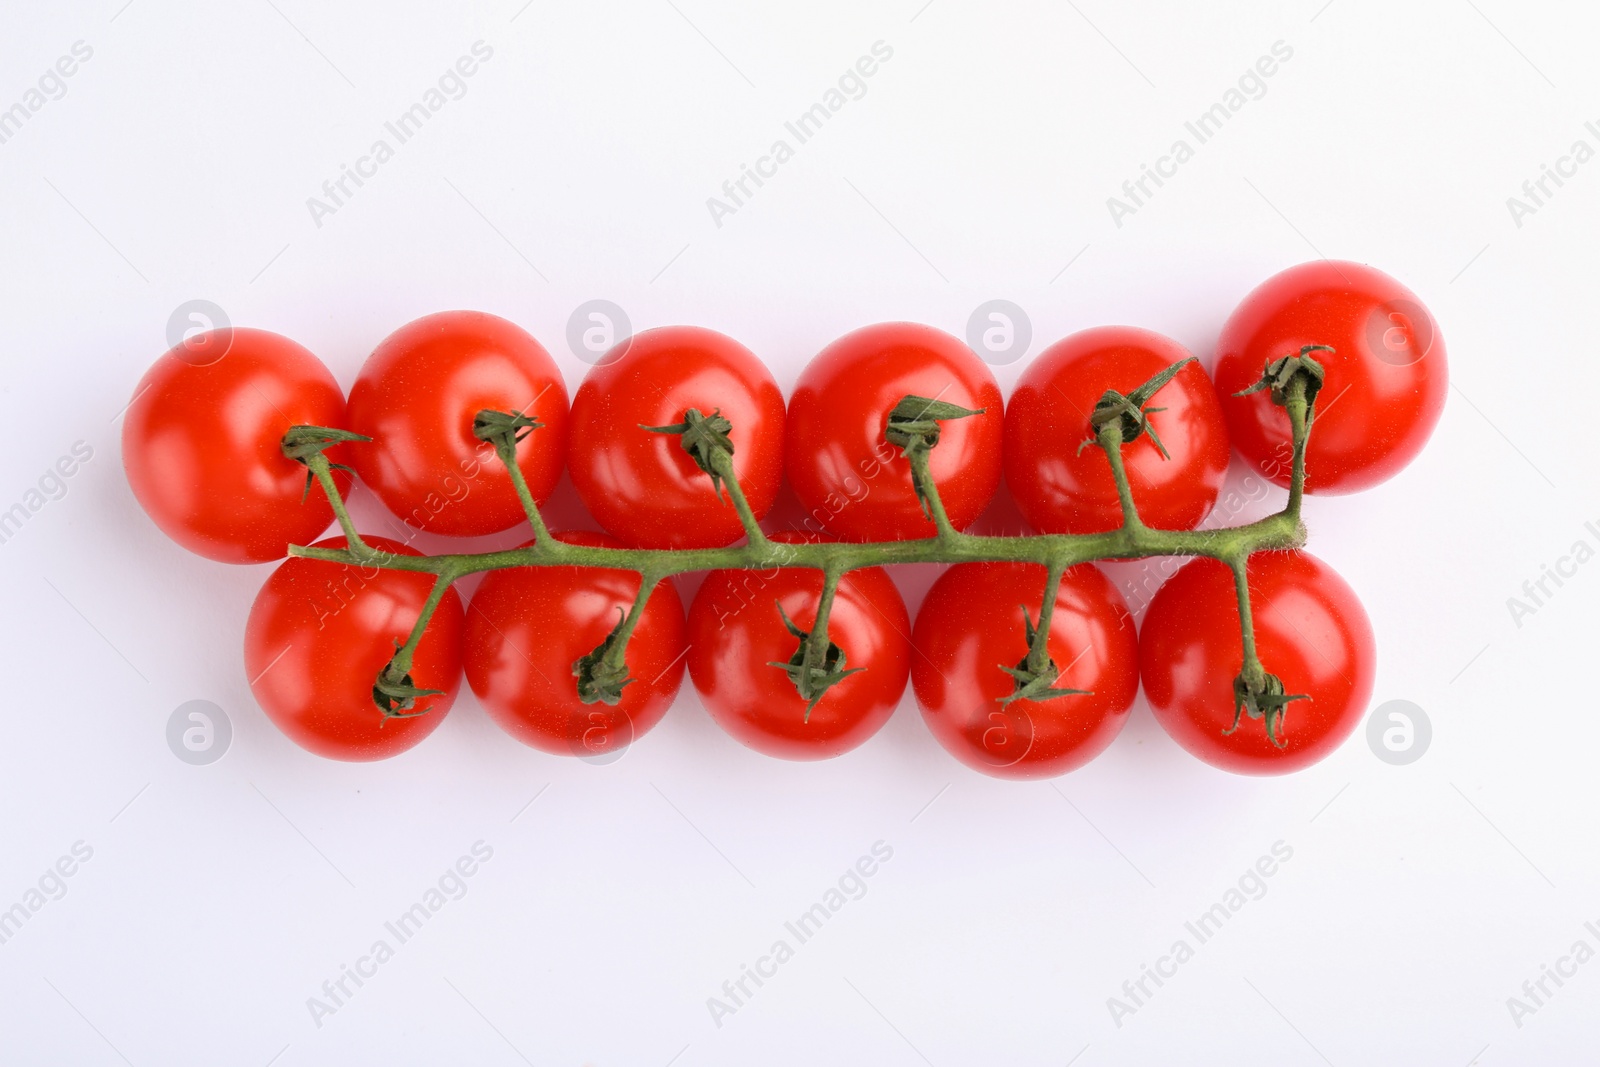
(300, 443)
(703, 437)
(913, 428)
(1268, 702)
(395, 693)
(812, 681)
(598, 681)
(1031, 684)
(1280, 372)
(914, 422)
(504, 429)
(1132, 410)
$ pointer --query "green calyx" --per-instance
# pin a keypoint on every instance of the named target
(504, 429)
(396, 693)
(601, 681)
(1262, 700)
(1035, 682)
(1280, 373)
(914, 422)
(1132, 411)
(705, 438)
(302, 443)
(913, 428)
(813, 674)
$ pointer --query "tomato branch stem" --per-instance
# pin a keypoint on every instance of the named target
(1039, 651)
(1109, 437)
(722, 463)
(603, 673)
(922, 475)
(1300, 409)
(322, 471)
(530, 507)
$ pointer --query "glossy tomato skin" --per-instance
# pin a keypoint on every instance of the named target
(201, 444)
(643, 487)
(1311, 632)
(1386, 378)
(971, 623)
(417, 396)
(526, 627)
(735, 631)
(320, 632)
(1063, 490)
(852, 482)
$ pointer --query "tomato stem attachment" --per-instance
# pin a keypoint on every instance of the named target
(306, 445)
(505, 430)
(603, 671)
(706, 439)
(1255, 692)
(394, 692)
(1035, 676)
(914, 428)
(818, 664)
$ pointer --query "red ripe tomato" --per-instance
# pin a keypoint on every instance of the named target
(851, 481)
(202, 444)
(971, 625)
(643, 487)
(1386, 376)
(417, 396)
(527, 626)
(319, 634)
(735, 632)
(1311, 632)
(1061, 489)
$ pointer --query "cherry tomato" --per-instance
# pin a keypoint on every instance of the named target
(735, 632)
(642, 486)
(417, 396)
(1311, 632)
(319, 634)
(527, 626)
(851, 481)
(1061, 489)
(1386, 376)
(201, 444)
(971, 625)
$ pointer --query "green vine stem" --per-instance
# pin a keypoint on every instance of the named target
(914, 427)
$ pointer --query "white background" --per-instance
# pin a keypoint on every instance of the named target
(218, 899)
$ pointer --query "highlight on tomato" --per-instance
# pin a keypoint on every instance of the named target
(417, 397)
(1311, 633)
(851, 481)
(529, 628)
(1386, 374)
(202, 444)
(976, 627)
(319, 635)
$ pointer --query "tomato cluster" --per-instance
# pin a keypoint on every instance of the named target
(205, 451)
